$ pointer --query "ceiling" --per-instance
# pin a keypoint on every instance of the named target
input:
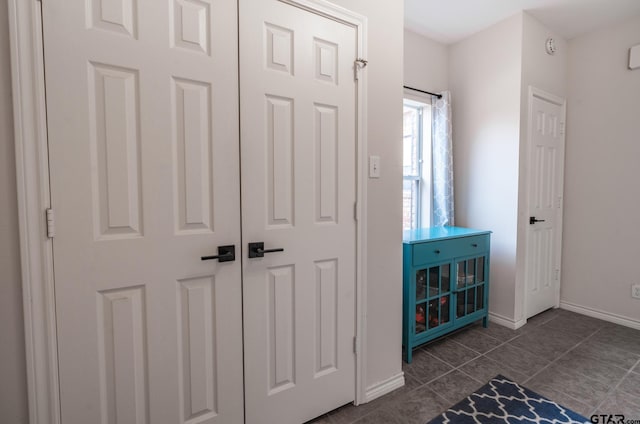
(449, 21)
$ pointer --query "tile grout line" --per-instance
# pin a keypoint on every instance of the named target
(454, 368)
(480, 355)
(608, 393)
(614, 388)
(502, 343)
(422, 385)
(565, 353)
(433, 379)
(561, 356)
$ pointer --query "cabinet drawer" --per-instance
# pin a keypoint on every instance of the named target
(434, 251)
(443, 250)
(468, 246)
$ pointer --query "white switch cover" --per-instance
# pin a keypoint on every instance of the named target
(634, 57)
(374, 166)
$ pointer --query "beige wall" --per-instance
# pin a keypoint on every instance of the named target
(602, 194)
(384, 285)
(13, 390)
(384, 103)
(425, 63)
(485, 82)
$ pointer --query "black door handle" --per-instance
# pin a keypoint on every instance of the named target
(533, 220)
(225, 254)
(257, 250)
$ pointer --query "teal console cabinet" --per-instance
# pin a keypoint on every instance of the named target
(445, 282)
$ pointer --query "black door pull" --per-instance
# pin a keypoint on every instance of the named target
(225, 254)
(257, 250)
(533, 220)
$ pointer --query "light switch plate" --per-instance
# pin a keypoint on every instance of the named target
(374, 166)
(634, 57)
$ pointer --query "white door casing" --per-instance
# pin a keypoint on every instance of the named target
(545, 194)
(298, 148)
(142, 111)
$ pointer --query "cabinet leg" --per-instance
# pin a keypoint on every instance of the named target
(407, 354)
(485, 322)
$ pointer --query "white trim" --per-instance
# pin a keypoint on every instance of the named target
(361, 229)
(417, 97)
(359, 22)
(32, 174)
(605, 316)
(34, 198)
(384, 387)
(505, 321)
(534, 92)
(541, 94)
(334, 12)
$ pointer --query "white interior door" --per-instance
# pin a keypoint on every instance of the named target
(298, 192)
(546, 168)
(142, 111)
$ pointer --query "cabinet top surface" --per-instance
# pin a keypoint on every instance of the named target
(420, 235)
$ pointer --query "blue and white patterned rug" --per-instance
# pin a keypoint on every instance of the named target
(503, 401)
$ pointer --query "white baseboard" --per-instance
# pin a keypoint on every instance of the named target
(605, 316)
(506, 322)
(384, 387)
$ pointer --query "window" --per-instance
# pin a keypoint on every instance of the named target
(416, 189)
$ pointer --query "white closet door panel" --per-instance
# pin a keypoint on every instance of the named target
(142, 108)
(298, 187)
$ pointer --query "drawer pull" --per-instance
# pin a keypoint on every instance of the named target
(474, 244)
(437, 252)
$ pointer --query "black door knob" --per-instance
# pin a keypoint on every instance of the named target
(533, 220)
(225, 254)
(257, 250)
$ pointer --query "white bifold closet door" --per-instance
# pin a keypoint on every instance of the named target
(142, 108)
(144, 145)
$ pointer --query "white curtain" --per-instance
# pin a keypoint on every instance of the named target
(442, 161)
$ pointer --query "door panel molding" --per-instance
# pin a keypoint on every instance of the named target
(33, 196)
(32, 176)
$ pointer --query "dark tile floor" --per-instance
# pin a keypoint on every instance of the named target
(585, 364)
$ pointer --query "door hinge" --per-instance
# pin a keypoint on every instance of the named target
(358, 64)
(356, 212)
(51, 223)
(355, 345)
(557, 274)
(561, 128)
